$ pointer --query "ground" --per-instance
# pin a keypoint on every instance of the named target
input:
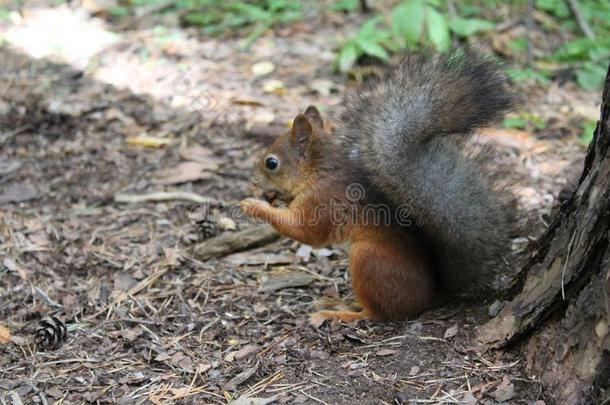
(90, 119)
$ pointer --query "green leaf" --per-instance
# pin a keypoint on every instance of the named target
(438, 29)
(591, 76)
(119, 11)
(374, 49)
(369, 28)
(344, 5)
(588, 130)
(408, 20)
(519, 123)
(348, 56)
(466, 27)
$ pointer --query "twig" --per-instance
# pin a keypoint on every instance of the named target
(580, 19)
(529, 28)
(233, 242)
(164, 196)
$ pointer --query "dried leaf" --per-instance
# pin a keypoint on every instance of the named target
(183, 173)
(203, 368)
(241, 378)
(198, 153)
(5, 335)
(124, 281)
(8, 166)
(242, 353)
(451, 332)
(287, 280)
(18, 192)
(163, 357)
(253, 401)
(262, 68)
(304, 252)
(505, 390)
(274, 86)
(148, 141)
(253, 259)
(386, 352)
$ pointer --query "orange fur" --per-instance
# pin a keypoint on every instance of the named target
(390, 267)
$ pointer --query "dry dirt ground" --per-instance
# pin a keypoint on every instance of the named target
(144, 110)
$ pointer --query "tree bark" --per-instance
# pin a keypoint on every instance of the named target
(560, 317)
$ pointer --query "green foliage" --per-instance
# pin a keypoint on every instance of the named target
(417, 23)
(524, 121)
(215, 17)
(411, 23)
(370, 40)
(344, 5)
(521, 75)
(589, 56)
(588, 129)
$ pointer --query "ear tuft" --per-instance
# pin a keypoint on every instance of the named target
(301, 130)
(314, 116)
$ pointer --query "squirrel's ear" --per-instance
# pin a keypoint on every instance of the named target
(301, 131)
(314, 116)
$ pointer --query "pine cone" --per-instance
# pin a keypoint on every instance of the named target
(50, 333)
(205, 223)
(207, 228)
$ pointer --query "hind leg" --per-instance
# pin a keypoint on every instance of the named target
(391, 278)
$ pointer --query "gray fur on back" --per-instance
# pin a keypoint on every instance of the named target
(409, 129)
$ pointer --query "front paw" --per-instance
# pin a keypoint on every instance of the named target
(255, 208)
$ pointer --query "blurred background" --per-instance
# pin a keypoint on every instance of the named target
(143, 44)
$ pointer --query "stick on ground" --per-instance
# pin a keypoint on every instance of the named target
(234, 242)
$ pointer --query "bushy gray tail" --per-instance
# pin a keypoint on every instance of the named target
(409, 127)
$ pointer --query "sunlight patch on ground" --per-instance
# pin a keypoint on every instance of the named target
(60, 34)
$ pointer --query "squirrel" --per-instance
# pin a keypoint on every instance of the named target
(424, 211)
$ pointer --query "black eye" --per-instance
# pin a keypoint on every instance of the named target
(272, 163)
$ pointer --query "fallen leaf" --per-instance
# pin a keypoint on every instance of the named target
(124, 281)
(244, 400)
(203, 368)
(242, 353)
(245, 100)
(5, 335)
(183, 173)
(287, 280)
(7, 166)
(469, 399)
(171, 256)
(262, 68)
(148, 141)
(322, 86)
(12, 265)
(198, 153)
(263, 117)
(274, 86)
(304, 252)
(241, 378)
(504, 391)
(451, 332)
(18, 192)
(163, 357)
(253, 259)
(386, 352)
(186, 364)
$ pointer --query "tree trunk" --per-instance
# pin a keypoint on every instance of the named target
(561, 315)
